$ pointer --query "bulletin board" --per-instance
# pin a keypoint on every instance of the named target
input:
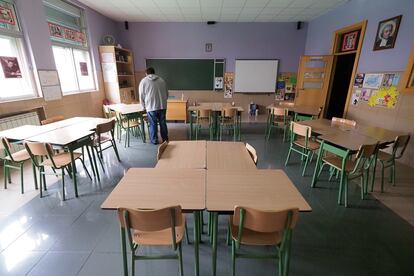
(50, 85)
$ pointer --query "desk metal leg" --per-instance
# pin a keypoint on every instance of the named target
(75, 183)
(124, 252)
(214, 251)
(374, 164)
(190, 115)
(318, 161)
(196, 242)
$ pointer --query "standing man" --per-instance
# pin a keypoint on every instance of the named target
(153, 95)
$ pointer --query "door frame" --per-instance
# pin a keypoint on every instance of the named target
(336, 40)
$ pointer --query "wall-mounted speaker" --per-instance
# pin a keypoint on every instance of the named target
(211, 22)
(126, 25)
(299, 25)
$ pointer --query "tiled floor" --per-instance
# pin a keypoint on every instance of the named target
(50, 237)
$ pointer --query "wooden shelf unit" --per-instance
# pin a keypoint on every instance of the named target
(118, 74)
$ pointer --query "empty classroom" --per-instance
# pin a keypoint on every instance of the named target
(206, 137)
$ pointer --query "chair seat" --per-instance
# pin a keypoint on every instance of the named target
(61, 159)
(312, 145)
(132, 123)
(336, 162)
(104, 138)
(250, 237)
(162, 237)
(19, 156)
(384, 156)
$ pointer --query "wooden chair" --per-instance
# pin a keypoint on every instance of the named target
(204, 120)
(263, 228)
(102, 137)
(130, 124)
(387, 160)
(161, 149)
(43, 155)
(342, 121)
(278, 118)
(228, 121)
(252, 152)
(351, 169)
(52, 120)
(162, 227)
(302, 143)
(14, 161)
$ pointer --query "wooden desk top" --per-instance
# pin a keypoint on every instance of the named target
(259, 189)
(381, 134)
(213, 106)
(300, 109)
(126, 108)
(21, 133)
(151, 188)
(325, 126)
(228, 155)
(350, 140)
(62, 136)
(184, 154)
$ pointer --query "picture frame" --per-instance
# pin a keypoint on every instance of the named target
(406, 84)
(387, 32)
(373, 81)
(350, 41)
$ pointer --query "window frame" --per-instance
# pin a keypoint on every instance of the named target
(88, 49)
(22, 50)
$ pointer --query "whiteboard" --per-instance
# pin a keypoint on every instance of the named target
(256, 76)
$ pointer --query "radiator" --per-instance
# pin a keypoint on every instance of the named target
(29, 118)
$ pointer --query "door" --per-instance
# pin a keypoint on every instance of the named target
(313, 80)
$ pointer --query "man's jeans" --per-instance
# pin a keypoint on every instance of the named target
(155, 117)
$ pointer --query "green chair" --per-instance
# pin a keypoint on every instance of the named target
(278, 118)
(162, 227)
(263, 228)
(387, 160)
(302, 117)
(102, 137)
(131, 124)
(228, 120)
(351, 169)
(14, 161)
(204, 120)
(43, 155)
(302, 143)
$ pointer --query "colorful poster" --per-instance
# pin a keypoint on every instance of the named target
(365, 94)
(11, 68)
(218, 83)
(359, 80)
(55, 30)
(386, 97)
(355, 97)
(387, 80)
(373, 81)
(7, 16)
(228, 85)
(66, 34)
(83, 68)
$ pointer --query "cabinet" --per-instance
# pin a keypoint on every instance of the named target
(118, 74)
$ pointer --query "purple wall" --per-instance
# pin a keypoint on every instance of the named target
(230, 41)
(33, 20)
(320, 32)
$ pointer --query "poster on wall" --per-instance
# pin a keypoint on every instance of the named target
(372, 81)
(349, 41)
(365, 94)
(359, 80)
(11, 68)
(228, 85)
(218, 83)
(387, 80)
(385, 97)
(7, 16)
(62, 33)
(83, 68)
(355, 96)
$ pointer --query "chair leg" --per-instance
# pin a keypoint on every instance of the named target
(186, 233)
(306, 164)
(288, 156)
(346, 191)
(8, 175)
(5, 173)
(382, 177)
(35, 176)
(180, 259)
(363, 185)
(341, 183)
(99, 158)
(233, 258)
(393, 167)
(86, 170)
(21, 178)
(115, 149)
(133, 263)
(40, 183)
(44, 179)
(63, 184)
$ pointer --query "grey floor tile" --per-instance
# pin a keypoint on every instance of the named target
(60, 263)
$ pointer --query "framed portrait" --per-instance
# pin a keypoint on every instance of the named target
(387, 33)
(11, 68)
(350, 41)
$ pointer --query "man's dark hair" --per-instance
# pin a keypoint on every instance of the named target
(150, 71)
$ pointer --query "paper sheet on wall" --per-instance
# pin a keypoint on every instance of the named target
(107, 57)
(52, 93)
(48, 77)
(109, 72)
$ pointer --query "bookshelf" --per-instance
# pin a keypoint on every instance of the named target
(118, 74)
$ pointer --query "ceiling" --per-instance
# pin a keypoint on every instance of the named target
(213, 10)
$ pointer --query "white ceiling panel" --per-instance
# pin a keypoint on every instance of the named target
(219, 10)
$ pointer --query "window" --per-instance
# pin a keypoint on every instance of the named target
(16, 80)
(70, 48)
